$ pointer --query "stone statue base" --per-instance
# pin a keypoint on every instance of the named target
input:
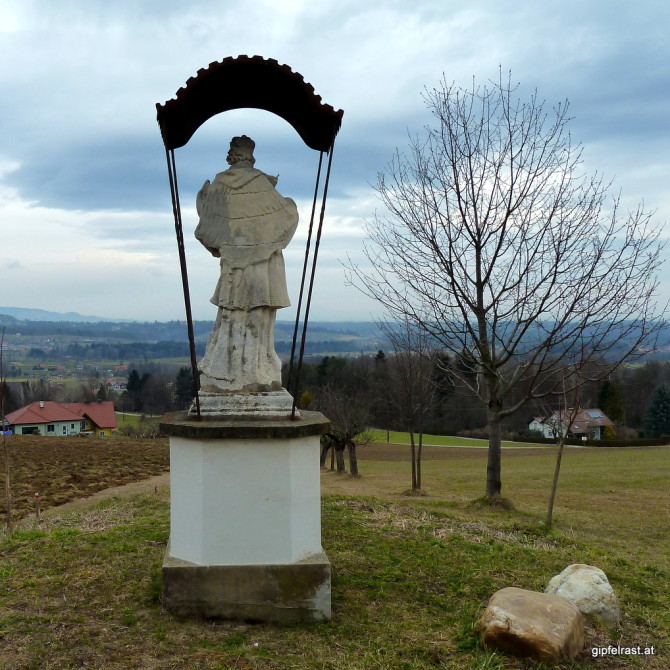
(288, 593)
(245, 520)
(249, 405)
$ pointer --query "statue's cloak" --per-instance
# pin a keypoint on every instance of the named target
(247, 222)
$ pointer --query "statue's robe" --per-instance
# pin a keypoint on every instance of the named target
(247, 223)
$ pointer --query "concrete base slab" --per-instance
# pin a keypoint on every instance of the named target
(249, 405)
(282, 594)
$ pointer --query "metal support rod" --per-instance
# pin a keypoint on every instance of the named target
(311, 279)
(304, 272)
(176, 210)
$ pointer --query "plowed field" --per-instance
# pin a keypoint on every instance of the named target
(66, 468)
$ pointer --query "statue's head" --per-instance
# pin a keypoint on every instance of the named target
(241, 152)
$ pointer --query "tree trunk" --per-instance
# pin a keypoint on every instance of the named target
(418, 460)
(324, 452)
(554, 484)
(413, 452)
(3, 428)
(353, 461)
(339, 457)
(493, 481)
(8, 481)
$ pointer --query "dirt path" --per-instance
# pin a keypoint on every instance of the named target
(330, 483)
(143, 486)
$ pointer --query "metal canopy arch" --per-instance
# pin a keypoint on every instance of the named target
(250, 82)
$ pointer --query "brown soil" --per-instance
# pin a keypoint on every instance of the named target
(63, 469)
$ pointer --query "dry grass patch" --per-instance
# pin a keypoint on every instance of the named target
(89, 520)
(83, 591)
(389, 518)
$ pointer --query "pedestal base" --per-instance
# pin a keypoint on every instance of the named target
(282, 594)
(252, 405)
(245, 519)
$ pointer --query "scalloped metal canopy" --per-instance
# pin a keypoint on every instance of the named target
(248, 81)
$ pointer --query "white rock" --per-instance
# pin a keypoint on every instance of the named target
(587, 587)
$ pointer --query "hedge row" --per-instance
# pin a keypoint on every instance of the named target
(639, 442)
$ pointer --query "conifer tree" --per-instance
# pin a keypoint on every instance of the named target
(609, 401)
(657, 421)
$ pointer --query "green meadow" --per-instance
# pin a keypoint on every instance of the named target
(410, 573)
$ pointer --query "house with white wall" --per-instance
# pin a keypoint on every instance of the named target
(49, 418)
(588, 423)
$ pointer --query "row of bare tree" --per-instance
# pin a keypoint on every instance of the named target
(415, 388)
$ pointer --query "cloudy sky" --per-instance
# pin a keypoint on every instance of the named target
(84, 200)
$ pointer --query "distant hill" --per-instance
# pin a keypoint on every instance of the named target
(342, 330)
(323, 337)
(7, 320)
(27, 314)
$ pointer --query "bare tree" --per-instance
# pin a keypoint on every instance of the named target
(560, 423)
(3, 428)
(496, 241)
(410, 382)
(349, 417)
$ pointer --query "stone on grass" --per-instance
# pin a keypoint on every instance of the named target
(534, 625)
(588, 588)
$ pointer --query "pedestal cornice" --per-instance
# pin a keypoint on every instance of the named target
(181, 424)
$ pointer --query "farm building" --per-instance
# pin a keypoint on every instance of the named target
(586, 423)
(54, 418)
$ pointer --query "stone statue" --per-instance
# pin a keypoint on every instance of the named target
(246, 222)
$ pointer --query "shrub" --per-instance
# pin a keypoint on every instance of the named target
(478, 433)
(626, 442)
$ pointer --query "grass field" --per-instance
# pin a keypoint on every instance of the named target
(127, 419)
(410, 574)
(396, 437)
(133, 420)
(610, 496)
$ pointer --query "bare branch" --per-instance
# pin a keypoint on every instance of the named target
(506, 253)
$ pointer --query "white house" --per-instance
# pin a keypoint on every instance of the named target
(588, 423)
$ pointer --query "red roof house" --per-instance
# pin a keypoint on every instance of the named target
(100, 415)
(47, 417)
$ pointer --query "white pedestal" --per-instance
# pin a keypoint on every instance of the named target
(244, 501)
(245, 519)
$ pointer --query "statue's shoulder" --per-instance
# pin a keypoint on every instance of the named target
(239, 177)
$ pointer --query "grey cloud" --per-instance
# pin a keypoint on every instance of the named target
(129, 172)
